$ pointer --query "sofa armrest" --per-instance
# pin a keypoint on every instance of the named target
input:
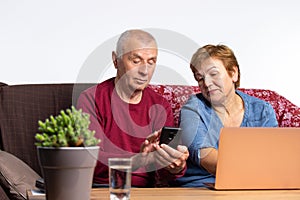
(287, 113)
(16, 177)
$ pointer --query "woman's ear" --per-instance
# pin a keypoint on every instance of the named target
(235, 74)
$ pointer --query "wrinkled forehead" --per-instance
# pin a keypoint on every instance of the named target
(137, 45)
(134, 45)
(203, 64)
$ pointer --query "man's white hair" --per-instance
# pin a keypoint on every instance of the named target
(136, 34)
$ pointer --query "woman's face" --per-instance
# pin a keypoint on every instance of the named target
(214, 81)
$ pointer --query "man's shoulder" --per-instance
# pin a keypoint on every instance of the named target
(97, 89)
(151, 94)
(151, 91)
(109, 83)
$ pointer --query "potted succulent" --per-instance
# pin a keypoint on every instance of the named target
(67, 152)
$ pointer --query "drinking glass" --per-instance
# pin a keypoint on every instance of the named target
(119, 178)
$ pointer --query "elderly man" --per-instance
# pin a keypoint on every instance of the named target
(128, 116)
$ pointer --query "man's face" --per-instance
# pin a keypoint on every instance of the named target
(135, 68)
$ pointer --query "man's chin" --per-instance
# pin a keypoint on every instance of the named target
(141, 82)
(139, 87)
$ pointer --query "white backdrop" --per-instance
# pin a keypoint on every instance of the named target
(50, 41)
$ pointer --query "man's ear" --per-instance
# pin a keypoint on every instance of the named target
(115, 59)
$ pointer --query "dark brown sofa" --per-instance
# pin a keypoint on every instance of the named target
(21, 106)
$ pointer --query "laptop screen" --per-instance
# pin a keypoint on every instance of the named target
(258, 158)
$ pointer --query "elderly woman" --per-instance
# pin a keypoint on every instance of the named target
(219, 104)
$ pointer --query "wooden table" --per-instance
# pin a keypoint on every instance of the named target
(193, 194)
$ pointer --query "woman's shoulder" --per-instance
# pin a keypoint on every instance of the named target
(254, 103)
(251, 99)
(196, 101)
(258, 112)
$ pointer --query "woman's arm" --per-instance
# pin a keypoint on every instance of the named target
(209, 158)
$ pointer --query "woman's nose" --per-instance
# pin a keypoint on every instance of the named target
(207, 81)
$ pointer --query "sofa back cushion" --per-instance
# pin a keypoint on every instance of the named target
(21, 106)
(287, 113)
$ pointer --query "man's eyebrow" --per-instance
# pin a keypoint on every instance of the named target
(134, 55)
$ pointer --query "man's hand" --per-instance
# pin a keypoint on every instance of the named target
(163, 156)
(151, 140)
(174, 160)
(146, 155)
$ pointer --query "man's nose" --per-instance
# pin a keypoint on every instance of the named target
(143, 69)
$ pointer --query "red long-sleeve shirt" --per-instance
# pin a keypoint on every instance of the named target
(123, 127)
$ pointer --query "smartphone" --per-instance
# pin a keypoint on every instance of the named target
(170, 136)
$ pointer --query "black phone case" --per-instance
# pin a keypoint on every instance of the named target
(170, 136)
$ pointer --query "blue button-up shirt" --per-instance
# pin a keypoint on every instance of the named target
(201, 128)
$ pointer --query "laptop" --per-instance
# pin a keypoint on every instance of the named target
(258, 158)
